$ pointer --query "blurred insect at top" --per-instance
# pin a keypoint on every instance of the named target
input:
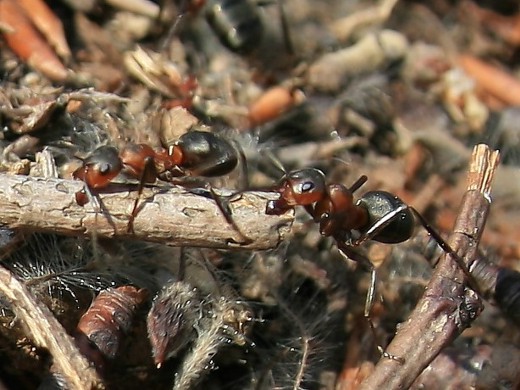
(257, 29)
(237, 24)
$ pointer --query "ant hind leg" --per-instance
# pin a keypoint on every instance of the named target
(448, 250)
(348, 252)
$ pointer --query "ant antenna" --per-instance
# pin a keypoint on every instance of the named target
(275, 161)
(183, 9)
(358, 183)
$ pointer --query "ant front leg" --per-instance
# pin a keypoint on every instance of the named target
(200, 187)
(223, 206)
(148, 169)
(347, 251)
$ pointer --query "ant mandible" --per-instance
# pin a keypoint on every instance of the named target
(196, 153)
(377, 215)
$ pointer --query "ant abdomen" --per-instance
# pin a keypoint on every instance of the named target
(205, 154)
(380, 204)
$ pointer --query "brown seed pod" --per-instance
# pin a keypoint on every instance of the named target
(108, 317)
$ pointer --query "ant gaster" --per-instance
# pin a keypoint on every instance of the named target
(196, 153)
(236, 23)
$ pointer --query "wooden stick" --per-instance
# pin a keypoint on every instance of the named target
(166, 214)
(447, 307)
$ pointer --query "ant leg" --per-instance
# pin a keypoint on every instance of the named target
(447, 249)
(183, 9)
(244, 169)
(348, 252)
(287, 38)
(226, 212)
(358, 183)
(200, 187)
(89, 195)
(148, 165)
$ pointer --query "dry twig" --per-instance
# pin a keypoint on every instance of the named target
(169, 215)
(331, 71)
(344, 28)
(447, 307)
(47, 332)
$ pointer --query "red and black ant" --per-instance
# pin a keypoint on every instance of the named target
(377, 215)
(194, 154)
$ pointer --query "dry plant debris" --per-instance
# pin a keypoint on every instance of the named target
(166, 267)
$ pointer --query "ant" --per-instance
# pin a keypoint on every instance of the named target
(240, 26)
(194, 154)
(377, 215)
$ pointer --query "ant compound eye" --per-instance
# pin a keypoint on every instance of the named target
(104, 168)
(305, 187)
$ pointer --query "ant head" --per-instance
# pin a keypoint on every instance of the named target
(100, 167)
(298, 188)
(104, 160)
(304, 187)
